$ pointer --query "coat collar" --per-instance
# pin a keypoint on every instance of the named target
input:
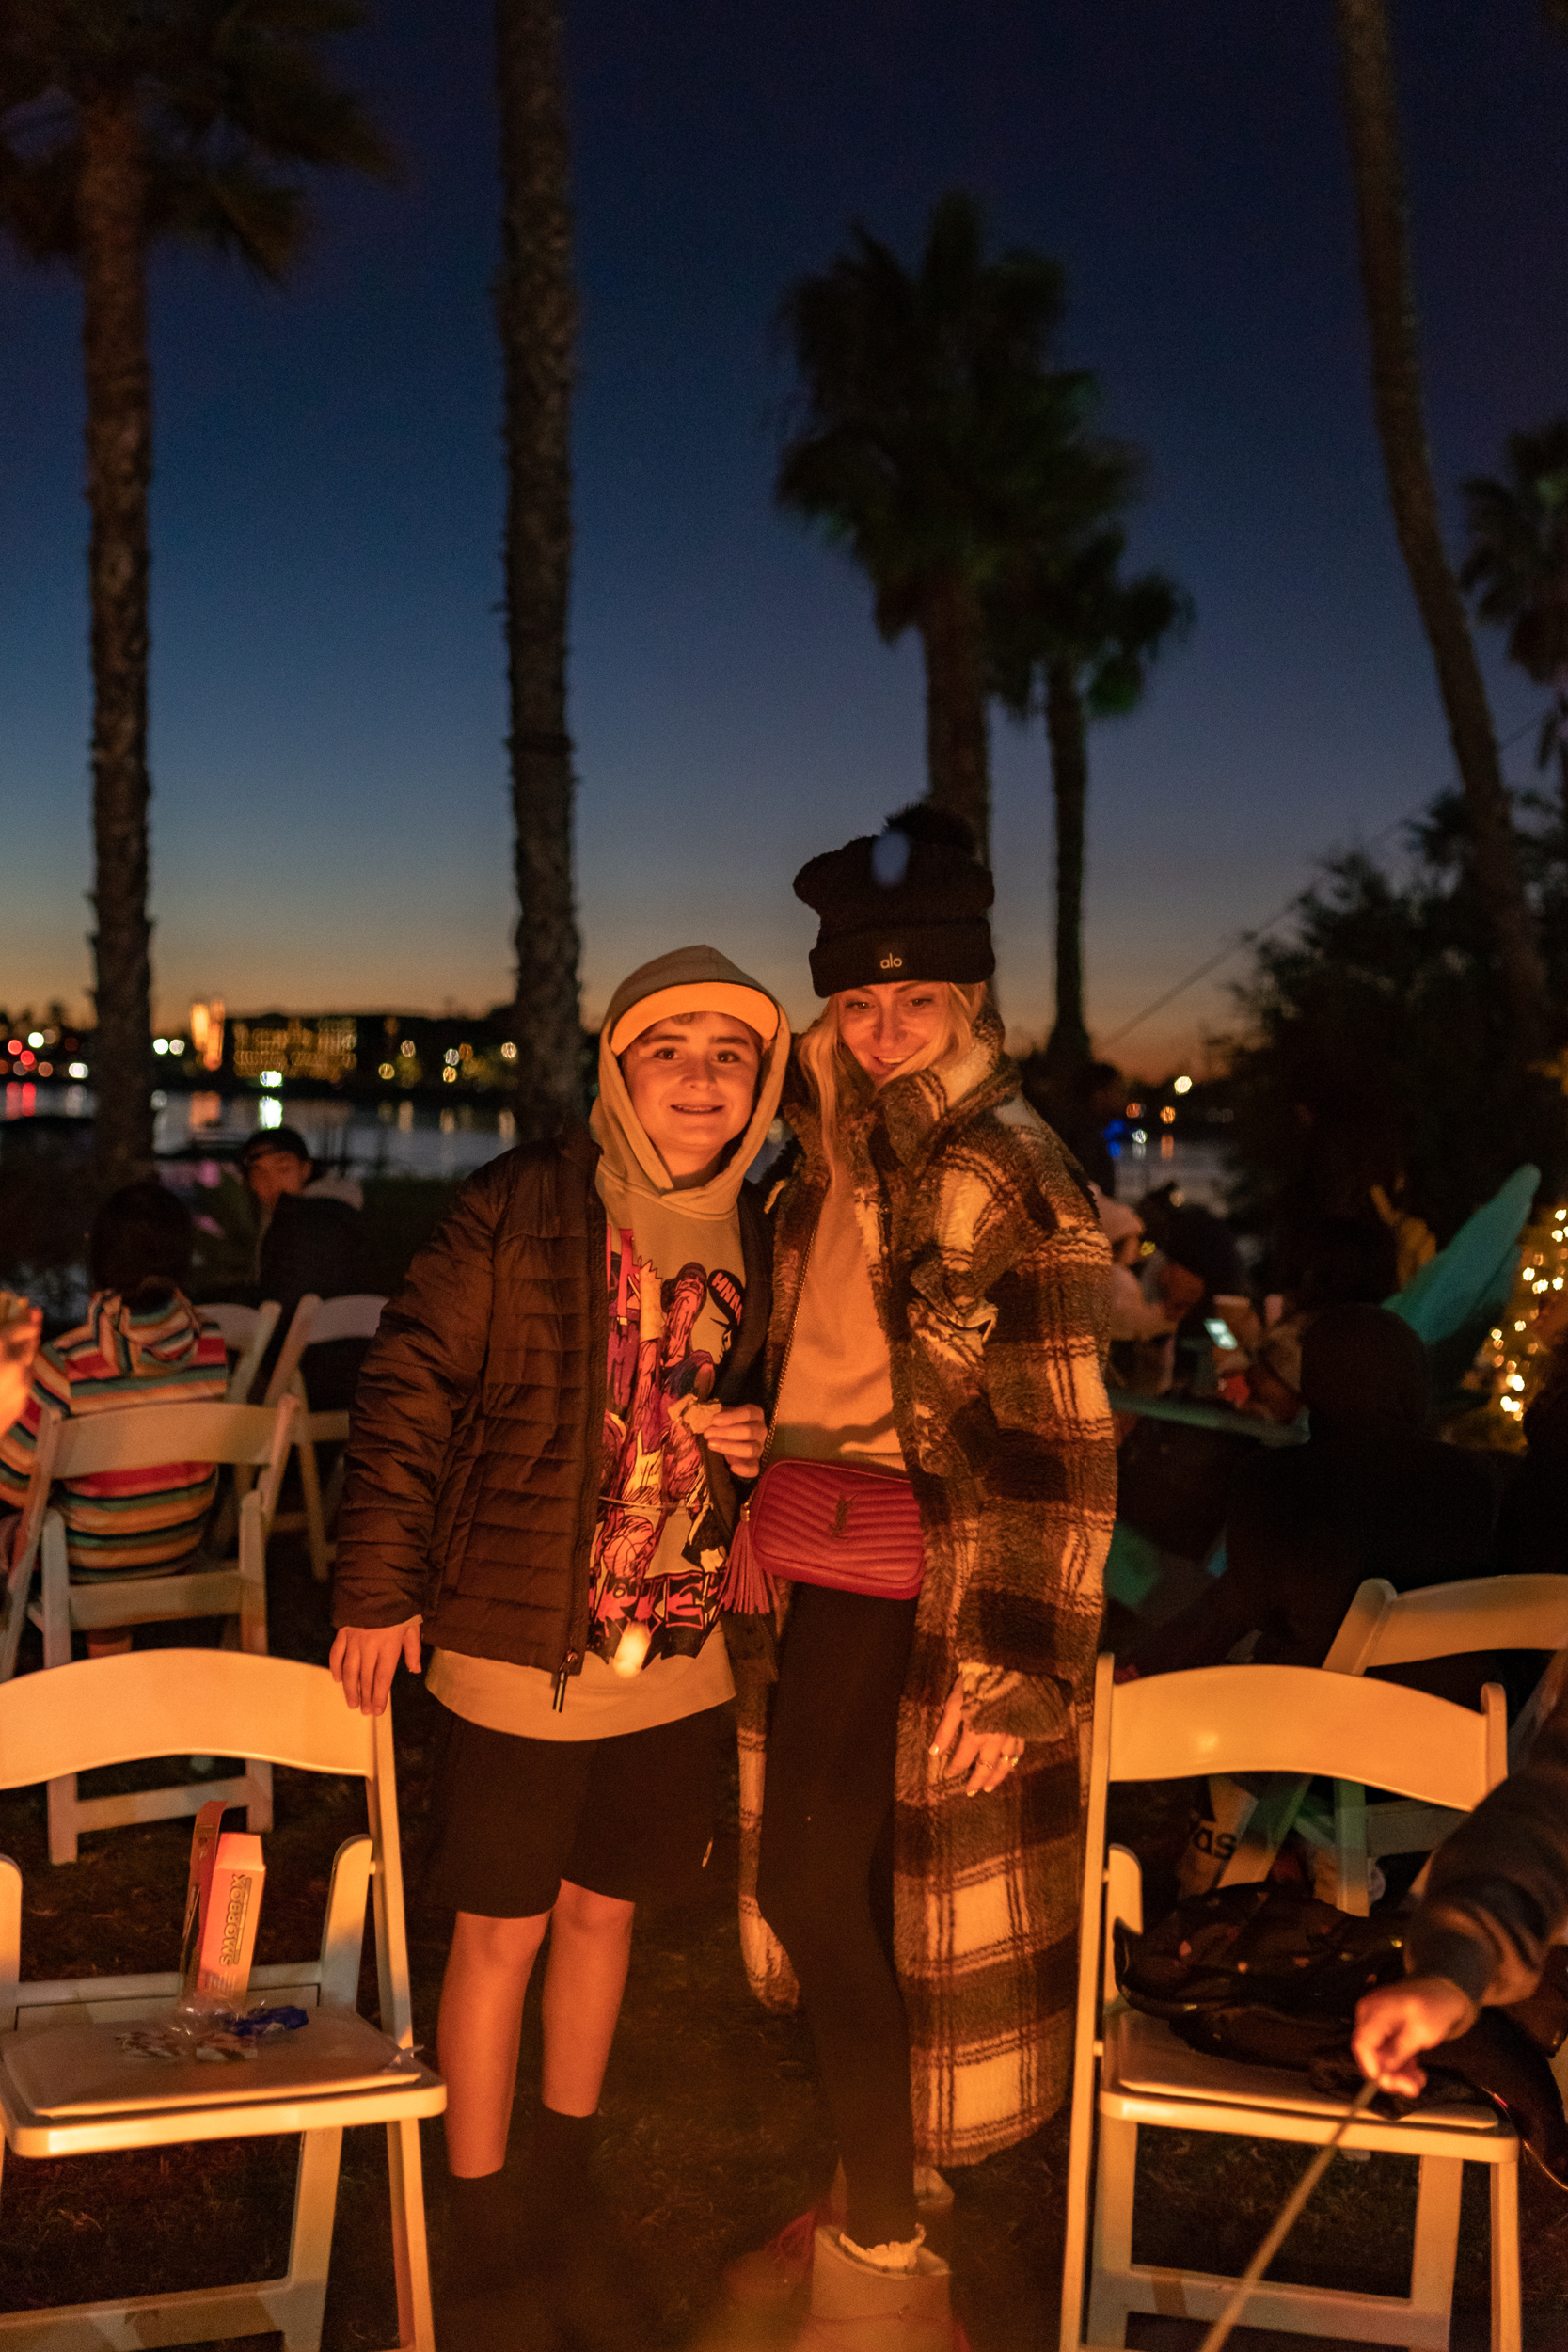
(915, 1113)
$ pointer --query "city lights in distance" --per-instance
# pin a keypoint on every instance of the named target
(269, 1113)
(387, 1071)
(77, 1070)
(35, 1037)
(509, 1052)
(160, 1045)
(177, 1045)
(1182, 1086)
(272, 1078)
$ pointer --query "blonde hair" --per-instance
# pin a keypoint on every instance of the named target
(827, 1061)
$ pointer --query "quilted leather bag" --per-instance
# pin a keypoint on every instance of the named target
(822, 1523)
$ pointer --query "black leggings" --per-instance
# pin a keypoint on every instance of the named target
(825, 1881)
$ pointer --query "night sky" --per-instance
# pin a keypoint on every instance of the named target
(331, 824)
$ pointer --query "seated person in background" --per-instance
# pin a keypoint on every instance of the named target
(1370, 1494)
(20, 1329)
(1495, 1897)
(1199, 1260)
(1133, 1316)
(142, 1344)
(1080, 1108)
(313, 1239)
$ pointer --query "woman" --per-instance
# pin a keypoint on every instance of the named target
(938, 1316)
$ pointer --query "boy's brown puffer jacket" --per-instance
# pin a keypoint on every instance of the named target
(474, 1452)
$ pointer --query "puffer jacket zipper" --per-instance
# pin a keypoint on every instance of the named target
(593, 1453)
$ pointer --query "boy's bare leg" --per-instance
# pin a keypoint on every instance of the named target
(480, 2025)
(584, 1979)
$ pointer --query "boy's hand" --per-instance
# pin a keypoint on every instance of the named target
(1397, 2020)
(738, 1433)
(364, 1661)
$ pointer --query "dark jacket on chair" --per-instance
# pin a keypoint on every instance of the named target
(474, 1460)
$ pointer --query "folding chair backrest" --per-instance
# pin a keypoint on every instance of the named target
(1299, 1719)
(236, 1323)
(1383, 1627)
(246, 1334)
(144, 1437)
(121, 1710)
(354, 1316)
(140, 1437)
(295, 1341)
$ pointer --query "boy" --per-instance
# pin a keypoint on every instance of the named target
(539, 1480)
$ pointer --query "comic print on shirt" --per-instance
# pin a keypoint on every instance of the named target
(658, 1547)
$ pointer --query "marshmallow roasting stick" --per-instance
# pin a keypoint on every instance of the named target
(1285, 2221)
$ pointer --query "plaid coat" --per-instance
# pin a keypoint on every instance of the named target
(992, 1283)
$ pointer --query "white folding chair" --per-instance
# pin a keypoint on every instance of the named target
(1383, 1627)
(247, 1332)
(354, 1316)
(1131, 2070)
(66, 2087)
(144, 1437)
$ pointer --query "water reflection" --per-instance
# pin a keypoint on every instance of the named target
(365, 1139)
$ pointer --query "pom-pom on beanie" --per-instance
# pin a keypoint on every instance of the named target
(907, 904)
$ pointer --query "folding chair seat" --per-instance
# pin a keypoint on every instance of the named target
(68, 2088)
(317, 1322)
(143, 1437)
(1132, 2071)
(246, 1334)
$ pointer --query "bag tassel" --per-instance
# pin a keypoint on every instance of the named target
(745, 1592)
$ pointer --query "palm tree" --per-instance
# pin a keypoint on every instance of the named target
(536, 310)
(1518, 560)
(1065, 630)
(1378, 173)
(119, 126)
(928, 421)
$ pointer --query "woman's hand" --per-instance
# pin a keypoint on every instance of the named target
(739, 1432)
(1397, 2020)
(988, 1757)
(365, 1660)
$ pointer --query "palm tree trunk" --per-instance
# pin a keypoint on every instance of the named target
(536, 308)
(1376, 162)
(956, 762)
(1067, 1048)
(111, 211)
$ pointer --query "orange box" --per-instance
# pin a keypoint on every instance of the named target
(231, 1910)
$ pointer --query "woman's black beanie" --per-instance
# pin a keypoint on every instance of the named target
(908, 904)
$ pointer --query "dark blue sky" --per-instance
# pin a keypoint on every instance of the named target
(331, 821)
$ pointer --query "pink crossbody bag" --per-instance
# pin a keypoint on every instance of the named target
(824, 1523)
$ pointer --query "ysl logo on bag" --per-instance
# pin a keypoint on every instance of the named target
(840, 1527)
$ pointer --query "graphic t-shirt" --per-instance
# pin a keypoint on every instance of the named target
(659, 1547)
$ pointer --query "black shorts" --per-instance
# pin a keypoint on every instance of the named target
(630, 1817)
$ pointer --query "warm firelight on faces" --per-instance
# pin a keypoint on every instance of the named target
(886, 1028)
(692, 1079)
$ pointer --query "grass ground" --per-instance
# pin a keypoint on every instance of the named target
(713, 2131)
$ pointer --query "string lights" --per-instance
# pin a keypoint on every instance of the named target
(1513, 1361)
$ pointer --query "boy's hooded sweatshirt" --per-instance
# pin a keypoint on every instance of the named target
(672, 1270)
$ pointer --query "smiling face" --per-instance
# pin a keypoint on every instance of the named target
(886, 1028)
(692, 1079)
